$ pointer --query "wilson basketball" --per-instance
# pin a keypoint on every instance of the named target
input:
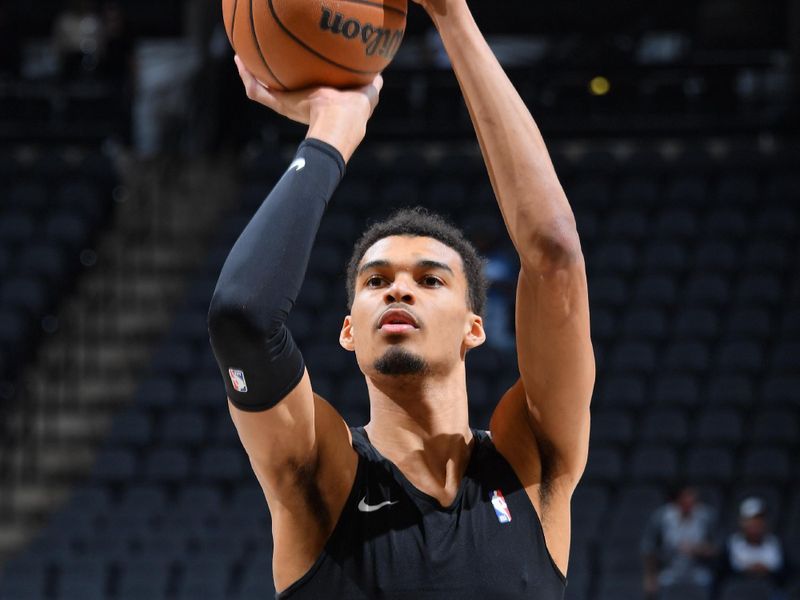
(294, 44)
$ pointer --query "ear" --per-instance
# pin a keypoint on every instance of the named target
(475, 335)
(346, 335)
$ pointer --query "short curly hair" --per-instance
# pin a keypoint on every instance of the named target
(419, 221)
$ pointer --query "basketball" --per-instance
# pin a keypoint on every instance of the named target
(295, 44)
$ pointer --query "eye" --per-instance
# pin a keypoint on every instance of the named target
(432, 281)
(374, 281)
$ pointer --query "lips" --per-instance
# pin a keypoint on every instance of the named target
(397, 320)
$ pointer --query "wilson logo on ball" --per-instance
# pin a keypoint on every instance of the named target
(377, 40)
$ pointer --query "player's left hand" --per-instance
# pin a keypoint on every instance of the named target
(338, 117)
(301, 105)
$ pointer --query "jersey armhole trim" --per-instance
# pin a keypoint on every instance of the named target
(323, 555)
(540, 528)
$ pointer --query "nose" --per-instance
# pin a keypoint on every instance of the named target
(399, 291)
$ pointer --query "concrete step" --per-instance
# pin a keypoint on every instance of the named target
(88, 428)
(91, 357)
(139, 286)
(32, 500)
(66, 462)
(127, 323)
(168, 256)
(57, 461)
(13, 536)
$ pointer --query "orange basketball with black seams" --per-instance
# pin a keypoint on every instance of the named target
(294, 44)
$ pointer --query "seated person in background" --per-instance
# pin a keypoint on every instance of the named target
(77, 38)
(753, 551)
(678, 545)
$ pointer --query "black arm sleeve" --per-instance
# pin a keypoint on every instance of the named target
(261, 279)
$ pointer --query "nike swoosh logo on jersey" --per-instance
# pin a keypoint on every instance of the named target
(367, 508)
(298, 164)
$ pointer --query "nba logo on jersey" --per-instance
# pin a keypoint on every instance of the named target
(238, 380)
(500, 507)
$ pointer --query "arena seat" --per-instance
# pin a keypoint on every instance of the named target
(611, 426)
(696, 323)
(615, 257)
(614, 587)
(718, 426)
(142, 578)
(167, 464)
(653, 463)
(181, 427)
(753, 323)
(771, 464)
(717, 255)
(684, 591)
(85, 577)
(634, 357)
(730, 390)
(686, 356)
(132, 427)
(775, 427)
(115, 464)
(157, 392)
(667, 425)
(604, 465)
(219, 463)
(676, 389)
(654, 290)
(622, 390)
(664, 256)
(645, 324)
(24, 579)
(746, 589)
(709, 464)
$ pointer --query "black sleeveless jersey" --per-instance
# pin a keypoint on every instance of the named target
(393, 541)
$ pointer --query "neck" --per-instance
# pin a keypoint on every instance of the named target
(422, 425)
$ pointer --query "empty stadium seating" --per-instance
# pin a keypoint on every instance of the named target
(50, 210)
(694, 312)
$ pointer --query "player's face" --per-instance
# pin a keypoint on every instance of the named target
(410, 303)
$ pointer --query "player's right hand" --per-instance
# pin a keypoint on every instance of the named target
(338, 117)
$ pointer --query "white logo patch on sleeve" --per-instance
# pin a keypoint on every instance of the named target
(238, 380)
(298, 164)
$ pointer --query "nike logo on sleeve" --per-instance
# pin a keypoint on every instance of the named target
(298, 164)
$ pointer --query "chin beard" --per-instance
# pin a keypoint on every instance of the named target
(399, 361)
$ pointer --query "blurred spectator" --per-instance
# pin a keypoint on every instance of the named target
(117, 64)
(753, 551)
(10, 42)
(77, 38)
(678, 544)
(116, 59)
(501, 269)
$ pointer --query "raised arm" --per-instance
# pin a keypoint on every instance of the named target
(554, 349)
(298, 445)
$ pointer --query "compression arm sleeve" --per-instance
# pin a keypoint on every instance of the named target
(261, 278)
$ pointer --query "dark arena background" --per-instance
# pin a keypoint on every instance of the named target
(130, 160)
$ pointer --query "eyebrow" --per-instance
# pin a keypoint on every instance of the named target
(382, 264)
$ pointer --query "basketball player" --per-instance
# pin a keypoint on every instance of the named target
(415, 504)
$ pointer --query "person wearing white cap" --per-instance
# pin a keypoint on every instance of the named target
(753, 551)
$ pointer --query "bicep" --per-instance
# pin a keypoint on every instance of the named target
(556, 360)
(286, 443)
(281, 435)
